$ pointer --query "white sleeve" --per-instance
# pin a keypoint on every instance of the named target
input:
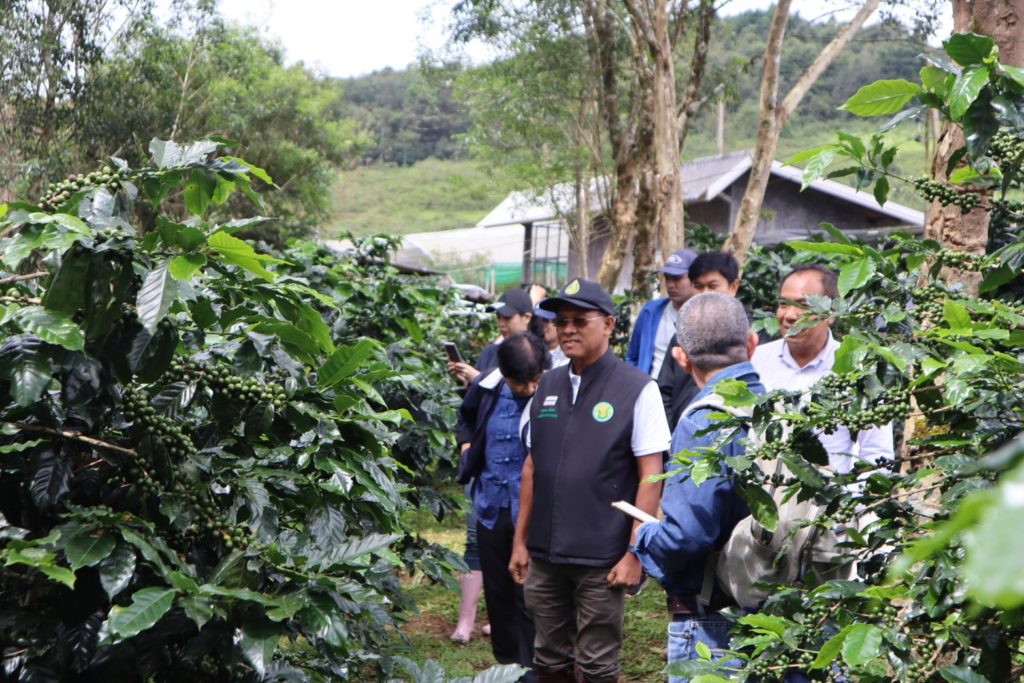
(875, 443)
(524, 424)
(650, 427)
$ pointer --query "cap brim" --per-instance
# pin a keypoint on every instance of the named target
(674, 272)
(541, 312)
(552, 304)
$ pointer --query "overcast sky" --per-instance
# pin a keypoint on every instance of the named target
(354, 37)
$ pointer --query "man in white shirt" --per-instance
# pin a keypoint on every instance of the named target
(797, 361)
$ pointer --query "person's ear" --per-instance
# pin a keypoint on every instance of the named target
(609, 324)
(752, 342)
(734, 287)
(682, 359)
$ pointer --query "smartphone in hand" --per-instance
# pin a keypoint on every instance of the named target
(453, 352)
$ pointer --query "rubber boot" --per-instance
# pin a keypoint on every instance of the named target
(471, 585)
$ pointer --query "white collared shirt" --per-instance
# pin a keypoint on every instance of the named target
(778, 370)
(663, 337)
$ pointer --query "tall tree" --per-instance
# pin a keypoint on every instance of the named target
(630, 50)
(774, 114)
(1003, 21)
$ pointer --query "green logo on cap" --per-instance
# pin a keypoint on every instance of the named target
(572, 287)
(603, 411)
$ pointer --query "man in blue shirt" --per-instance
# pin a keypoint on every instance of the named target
(656, 324)
(715, 344)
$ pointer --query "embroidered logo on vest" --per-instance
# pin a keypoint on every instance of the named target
(603, 411)
(572, 287)
(550, 401)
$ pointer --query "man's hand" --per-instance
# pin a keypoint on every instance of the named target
(519, 563)
(462, 372)
(626, 573)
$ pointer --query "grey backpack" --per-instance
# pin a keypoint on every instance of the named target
(796, 553)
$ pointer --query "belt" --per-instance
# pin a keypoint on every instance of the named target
(689, 604)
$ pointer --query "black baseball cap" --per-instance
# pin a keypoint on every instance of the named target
(580, 293)
(513, 302)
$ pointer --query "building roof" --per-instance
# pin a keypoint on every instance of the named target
(703, 180)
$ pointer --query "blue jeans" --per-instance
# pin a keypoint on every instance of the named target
(713, 631)
(683, 636)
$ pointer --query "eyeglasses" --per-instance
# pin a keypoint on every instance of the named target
(576, 322)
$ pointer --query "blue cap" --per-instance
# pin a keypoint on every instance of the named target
(678, 263)
(541, 313)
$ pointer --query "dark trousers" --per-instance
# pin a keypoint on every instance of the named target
(578, 619)
(511, 626)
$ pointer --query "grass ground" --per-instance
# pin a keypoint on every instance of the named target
(643, 651)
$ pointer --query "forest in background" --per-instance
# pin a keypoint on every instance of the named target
(99, 86)
(421, 113)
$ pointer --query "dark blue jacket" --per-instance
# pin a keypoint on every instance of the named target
(471, 428)
(697, 519)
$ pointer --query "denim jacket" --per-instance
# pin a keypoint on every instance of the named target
(697, 519)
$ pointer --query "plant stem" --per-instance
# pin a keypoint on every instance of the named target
(74, 436)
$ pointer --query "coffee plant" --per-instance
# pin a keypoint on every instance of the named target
(202, 469)
(936, 592)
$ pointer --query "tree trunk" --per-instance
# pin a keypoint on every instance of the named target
(768, 135)
(1002, 20)
(665, 186)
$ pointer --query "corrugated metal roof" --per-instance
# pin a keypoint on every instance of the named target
(703, 179)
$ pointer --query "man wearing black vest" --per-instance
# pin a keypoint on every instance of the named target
(596, 432)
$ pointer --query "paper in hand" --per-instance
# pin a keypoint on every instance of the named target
(633, 511)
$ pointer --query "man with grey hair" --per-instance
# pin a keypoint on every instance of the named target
(715, 345)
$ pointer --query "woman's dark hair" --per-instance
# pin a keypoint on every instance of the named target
(523, 357)
(536, 326)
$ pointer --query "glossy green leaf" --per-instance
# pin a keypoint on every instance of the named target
(52, 478)
(862, 644)
(148, 606)
(827, 248)
(238, 253)
(967, 49)
(816, 166)
(994, 553)
(66, 292)
(881, 98)
(116, 570)
(766, 623)
(199, 610)
(703, 651)
(501, 673)
(961, 674)
(830, 650)
(168, 154)
(1015, 73)
(344, 362)
(20, 446)
(157, 294)
(881, 190)
(964, 174)
(258, 646)
(88, 548)
(762, 506)
(965, 90)
(198, 192)
(855, 275)
(29, 379)
(936, 80)
(185, 266)
(955, 315)
(50, 326)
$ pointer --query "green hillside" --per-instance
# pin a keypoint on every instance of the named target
(443, 195)
(429, 195)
